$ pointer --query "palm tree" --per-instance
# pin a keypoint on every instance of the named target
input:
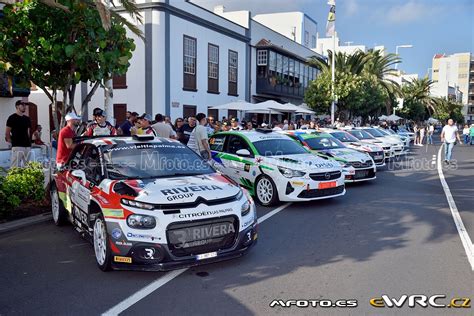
(418, 90)
(105, 10)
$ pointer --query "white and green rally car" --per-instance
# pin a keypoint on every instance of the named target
(273, 167)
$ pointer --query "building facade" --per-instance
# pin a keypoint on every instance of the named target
(455, 71)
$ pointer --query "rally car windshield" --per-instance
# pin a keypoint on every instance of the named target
(344, 137)
(323, 143)
(153, 160)
(278, 147)
(374, 132)
(360, 134)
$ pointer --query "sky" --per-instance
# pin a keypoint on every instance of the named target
(431, 26)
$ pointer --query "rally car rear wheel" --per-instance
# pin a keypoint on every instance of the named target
(101, 244)
(265, 191)
(57, 208)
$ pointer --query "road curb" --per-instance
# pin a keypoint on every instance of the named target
(24, 222)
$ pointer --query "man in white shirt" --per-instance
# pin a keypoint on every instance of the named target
(163, 129)
(198, 141)
(448, 137)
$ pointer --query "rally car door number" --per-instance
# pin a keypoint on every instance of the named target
(80, 196)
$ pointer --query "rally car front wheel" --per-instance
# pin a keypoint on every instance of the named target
(57, 208)
(265, 191)
(101, 244)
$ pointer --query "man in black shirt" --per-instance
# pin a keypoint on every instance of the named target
(184, 132)
(17, 133)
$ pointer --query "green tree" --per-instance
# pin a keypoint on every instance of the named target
(445, 109)
(418, 103)
(56, 49)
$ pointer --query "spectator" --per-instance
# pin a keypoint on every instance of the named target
(145, 125)
(249, 126)
(291, 127)
(465, 134)
(416, 130)
(100, 127)
(17, 134)
(163, 129)
(277, 126)
(430, 134)
(235, 126)
(198, 141)
(65, 140)
(177, 125)
(449, 134)
(422, 135)
(471, 134)
(126, 126)
(285, 125)
(185, 131)
(38, 142)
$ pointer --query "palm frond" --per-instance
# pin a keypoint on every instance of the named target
(131, 26)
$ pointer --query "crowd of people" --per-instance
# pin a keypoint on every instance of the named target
(193, 131)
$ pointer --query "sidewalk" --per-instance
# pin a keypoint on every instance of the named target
(24, 222)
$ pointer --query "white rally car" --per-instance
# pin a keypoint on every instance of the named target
(273, 167)
(375, 151)
(150, 203)
(365, 137)
(396, 144)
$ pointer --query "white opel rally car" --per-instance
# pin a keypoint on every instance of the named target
(273, 167)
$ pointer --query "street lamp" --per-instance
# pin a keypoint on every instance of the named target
(396, 51)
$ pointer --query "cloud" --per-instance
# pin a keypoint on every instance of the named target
(409, 12)
(351, 7)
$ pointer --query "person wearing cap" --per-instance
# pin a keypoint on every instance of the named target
(198, 141)
(124, 129)
(235, 126)
(65, 138)
(100, 127)
(17, 134)
(145, 125)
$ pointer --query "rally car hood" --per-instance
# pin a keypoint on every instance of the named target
(372, 147)
(183, 189)
(346, 154)
(391, 141)
(303, 162)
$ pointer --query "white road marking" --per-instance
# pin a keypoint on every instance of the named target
(155, 285)
(465, 239)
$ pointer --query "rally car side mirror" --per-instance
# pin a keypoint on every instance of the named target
(243, 153)
(79, 174)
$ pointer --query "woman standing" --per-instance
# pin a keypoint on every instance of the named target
(416, 130)
(422, 135)
(465, 134)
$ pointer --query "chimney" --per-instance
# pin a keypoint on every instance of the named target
(219, 9)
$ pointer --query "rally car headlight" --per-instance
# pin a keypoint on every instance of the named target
(145, 206)
(245, 209)
(141, 221)
(290, 173)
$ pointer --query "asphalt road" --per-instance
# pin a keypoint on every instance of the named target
(393, 236)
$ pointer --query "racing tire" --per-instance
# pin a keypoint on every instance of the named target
(59, 212)
(265, 191)
(103, 255)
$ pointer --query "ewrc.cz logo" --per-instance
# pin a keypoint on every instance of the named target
(420, 300)
(314, 303)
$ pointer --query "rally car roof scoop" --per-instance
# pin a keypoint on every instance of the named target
(124, 189)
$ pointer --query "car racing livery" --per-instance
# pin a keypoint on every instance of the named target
(357, 166)
(396, 144)
(365, 137)
(144, 211)
(376, 152)
(275, 168)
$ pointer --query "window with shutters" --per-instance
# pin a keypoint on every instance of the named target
(213, 68)
(189, 63)
(233, 72)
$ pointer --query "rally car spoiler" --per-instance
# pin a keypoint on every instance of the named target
(80, 139)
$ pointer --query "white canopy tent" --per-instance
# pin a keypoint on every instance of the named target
(383, 117)
(433, 120)
(393, 117)
(299, 109)
(239, 106)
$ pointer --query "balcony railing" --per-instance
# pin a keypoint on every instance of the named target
(270, 86)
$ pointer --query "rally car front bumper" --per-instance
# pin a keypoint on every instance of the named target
(164, 260)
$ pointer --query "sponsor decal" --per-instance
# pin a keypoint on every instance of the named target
(203, 213)
(116, 233)
(247, 167)
(298, 183)
(123, 243)
(248, 223)
(112, 212)
(179, 196)
(149, 253)
(140, 236)
(418, 300)
(199, 236)
(193, 188)
(122, 259)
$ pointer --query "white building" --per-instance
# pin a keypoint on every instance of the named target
(296, 26)
(325, 44)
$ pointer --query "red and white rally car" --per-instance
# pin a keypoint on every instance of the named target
(151, 203)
